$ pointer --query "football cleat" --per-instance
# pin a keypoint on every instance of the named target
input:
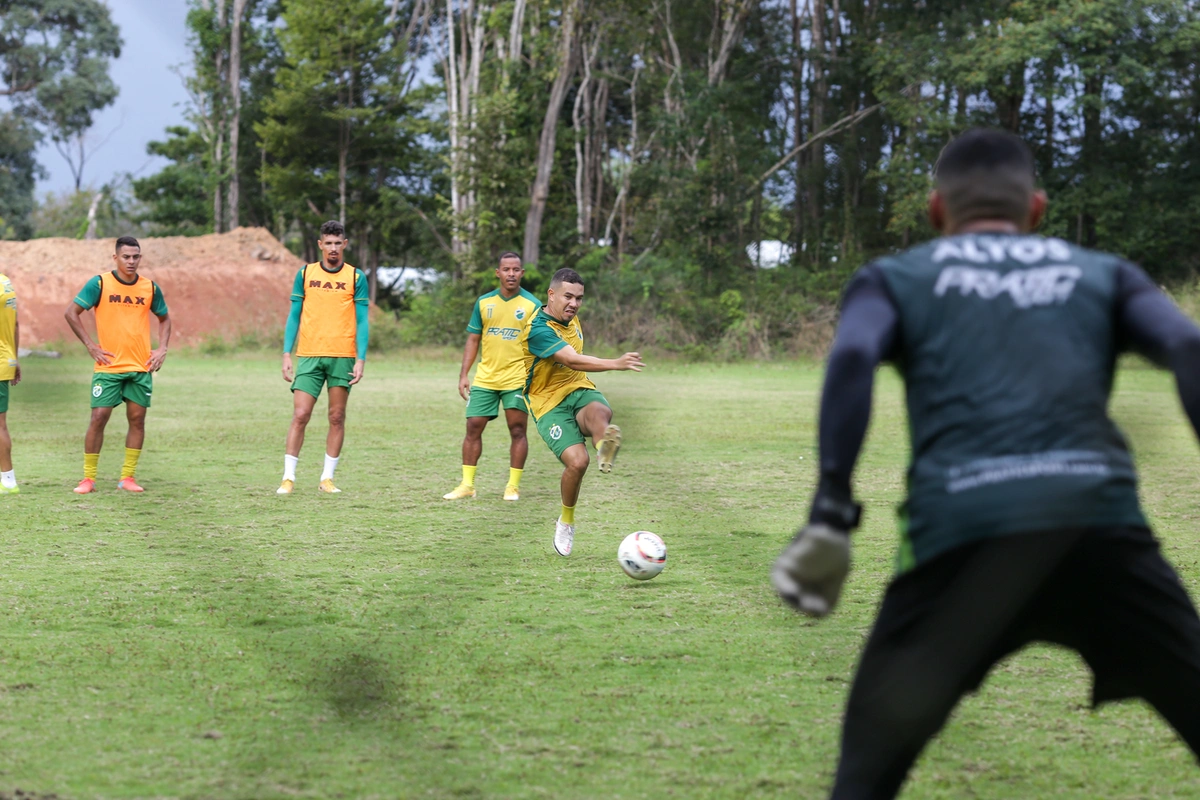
(512, 493)
(460, 492)
(10, 489)
(610, 443)
(86, 486)
(286, 487)
(564, 537)
(130, 485)
(328, 487)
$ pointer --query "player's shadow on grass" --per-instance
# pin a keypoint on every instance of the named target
(358, 686)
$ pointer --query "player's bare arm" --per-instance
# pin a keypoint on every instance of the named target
(470, 352)
(157, 357)
(74, 316)
(568, 357)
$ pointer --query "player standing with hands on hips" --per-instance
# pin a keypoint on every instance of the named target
(328, 328)
(1022, 521)
(124, 301)
(565, 404)
(495, 329)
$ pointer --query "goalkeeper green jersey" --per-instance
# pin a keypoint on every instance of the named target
(1007, 345)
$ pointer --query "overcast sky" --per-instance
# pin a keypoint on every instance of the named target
(152, 96)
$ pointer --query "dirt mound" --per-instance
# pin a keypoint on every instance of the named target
(222, 284)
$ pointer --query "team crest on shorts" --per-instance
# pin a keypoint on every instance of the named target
(555, 432)
(97, 390)
(520, 314)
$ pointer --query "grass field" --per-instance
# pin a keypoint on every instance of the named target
(212, 640)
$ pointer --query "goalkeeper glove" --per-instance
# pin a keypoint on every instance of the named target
(809, 573)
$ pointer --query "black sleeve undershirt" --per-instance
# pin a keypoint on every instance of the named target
(866, 335)
(1149, 323)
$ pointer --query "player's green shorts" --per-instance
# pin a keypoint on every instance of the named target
(313, 373)
(487, 402)
(4, 397)
(558, 426)
(110, 389)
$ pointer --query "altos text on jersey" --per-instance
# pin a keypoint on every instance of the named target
(1007, 345)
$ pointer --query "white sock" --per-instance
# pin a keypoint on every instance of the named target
(289, 467)
(8, 479)
(330, 466)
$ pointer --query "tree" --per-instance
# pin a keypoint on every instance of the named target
(54, 57)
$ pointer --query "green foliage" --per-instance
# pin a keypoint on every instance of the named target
(176, 198)
(19, 171)
(66, 214)
(54, 57)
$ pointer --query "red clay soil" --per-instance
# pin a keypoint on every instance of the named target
(221, 284)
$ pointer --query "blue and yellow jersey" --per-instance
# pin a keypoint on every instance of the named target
(8, 330)
(123, 318)
(548, 381)
(500, 320)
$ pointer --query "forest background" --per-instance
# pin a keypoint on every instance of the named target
(715, 168)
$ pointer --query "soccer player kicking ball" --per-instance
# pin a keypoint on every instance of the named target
(124, 301)
(1022, 521)
(565, 404)
(495, 328)
(328, 329)
(10, 375)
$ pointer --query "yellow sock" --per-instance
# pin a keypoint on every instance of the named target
(514, 477)
(567, 515)
(131, 459)
(469, 475)
(91, 462)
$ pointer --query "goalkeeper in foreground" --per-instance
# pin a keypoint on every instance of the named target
(1022, 521)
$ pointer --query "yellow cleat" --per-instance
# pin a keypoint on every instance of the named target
(512, 493)
(461, 492)
(286, 487)
(610, 443)
(10, 489)
(328, 487)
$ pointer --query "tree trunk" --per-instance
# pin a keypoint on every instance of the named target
(1090, 155)
(219, 129)
(815, 159)
(91, 216)
(540, 190)
(235, 98)
(797, 125)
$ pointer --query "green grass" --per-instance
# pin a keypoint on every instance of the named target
(212, 640)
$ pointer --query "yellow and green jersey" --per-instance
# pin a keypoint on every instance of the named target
(8, 329)
(499, 321)
(548, 381)
(123, 318)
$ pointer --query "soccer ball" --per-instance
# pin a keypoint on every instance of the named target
(642, 555)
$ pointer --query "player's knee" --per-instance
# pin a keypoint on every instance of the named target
(475, 426)
(100, 415)
(301, 417)
(517, 432)
(337, 418)
(576, 459)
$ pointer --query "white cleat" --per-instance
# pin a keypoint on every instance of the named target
(564, 537)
